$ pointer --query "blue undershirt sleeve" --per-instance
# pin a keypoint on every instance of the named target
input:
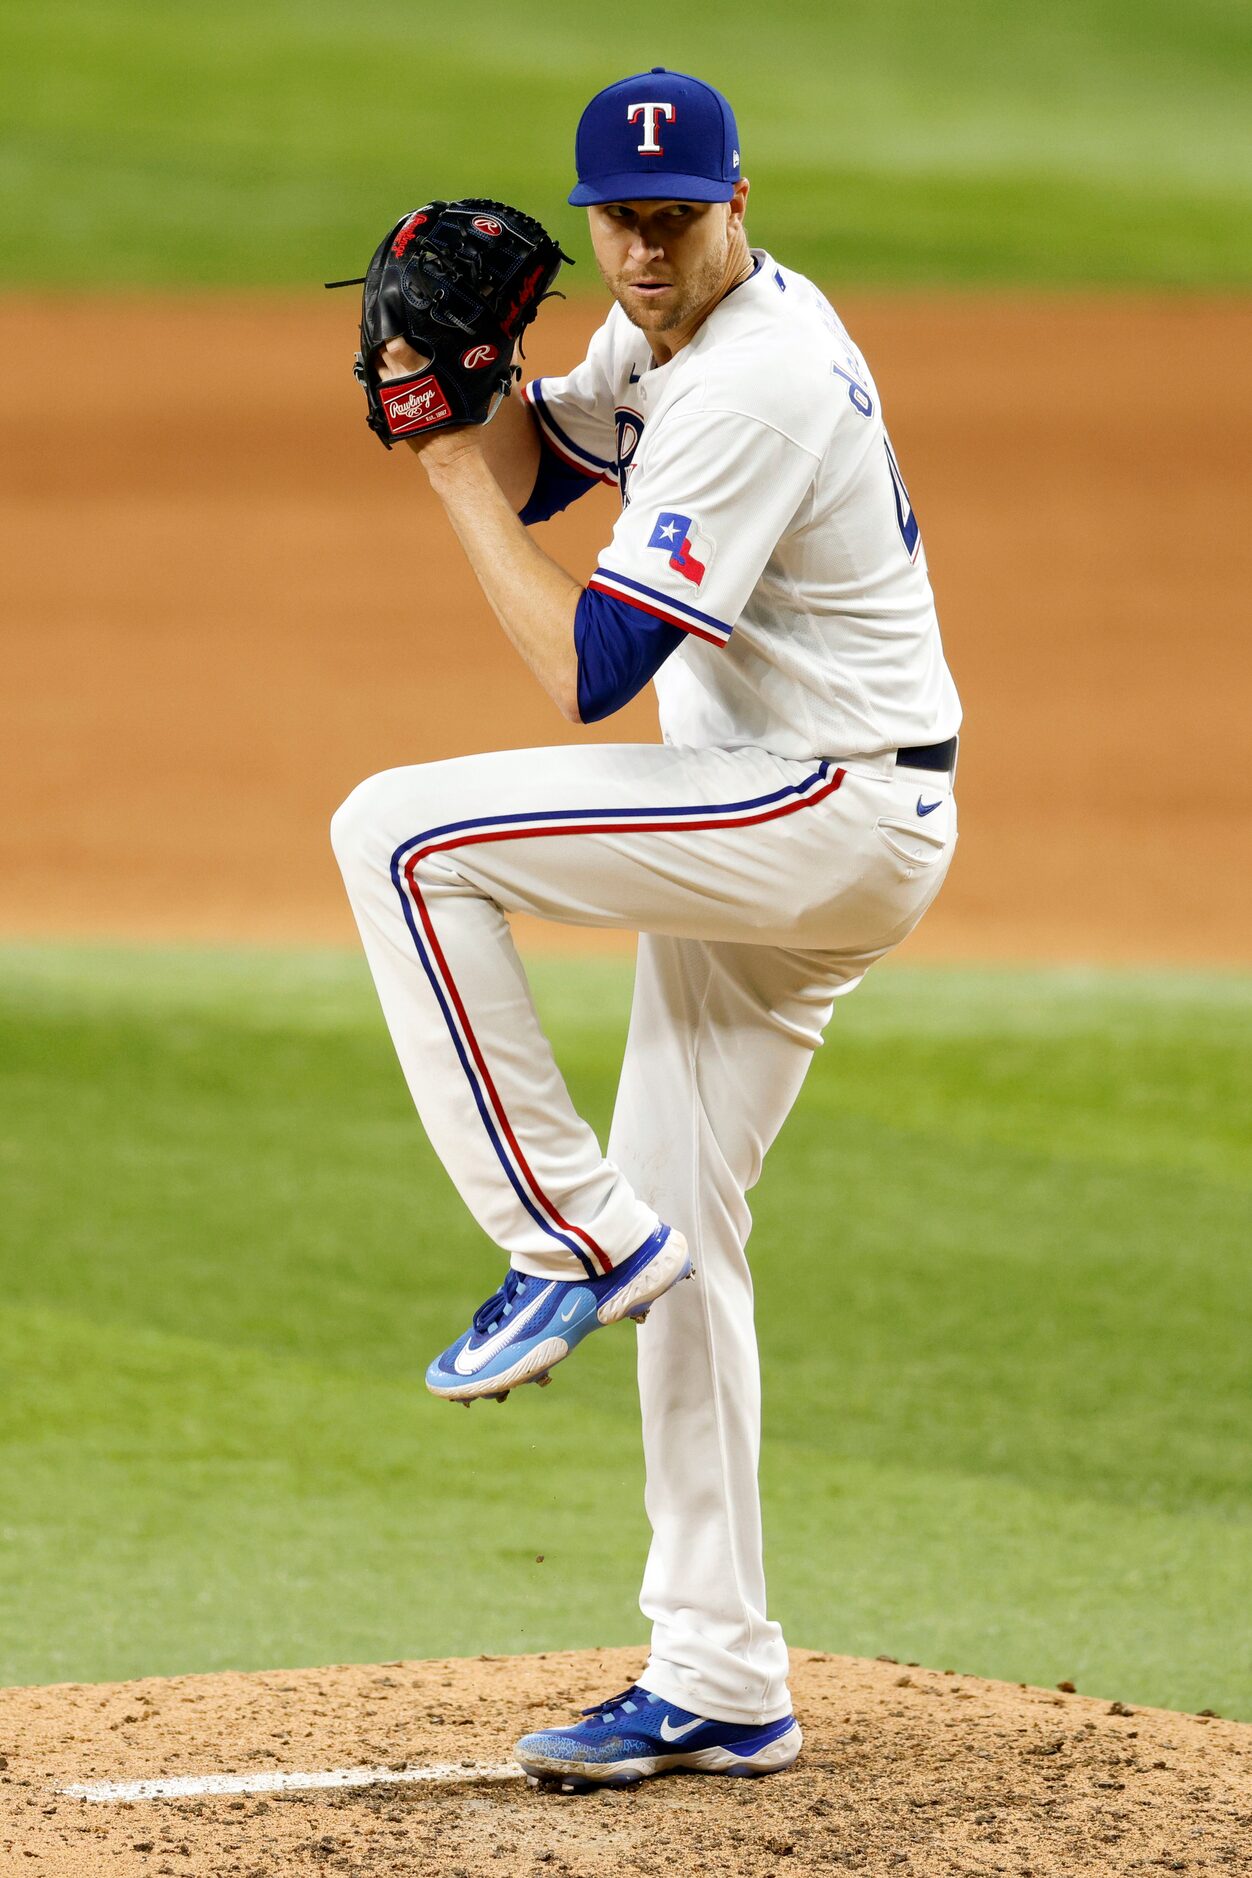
(619, 649)
(556, 486)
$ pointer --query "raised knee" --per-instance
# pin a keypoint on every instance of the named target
(358, 825)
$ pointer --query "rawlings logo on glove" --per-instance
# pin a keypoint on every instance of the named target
(460, 282)
(412, 404)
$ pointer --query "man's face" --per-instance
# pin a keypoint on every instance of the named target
(664, 261)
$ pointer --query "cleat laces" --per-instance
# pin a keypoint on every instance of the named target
(500, 1304)
(603, 1711)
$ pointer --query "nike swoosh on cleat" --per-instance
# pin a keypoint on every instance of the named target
(468, 1362)
(567, 1314)
(676, 1734)
(927, 808)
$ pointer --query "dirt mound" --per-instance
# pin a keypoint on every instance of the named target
(904, 1770)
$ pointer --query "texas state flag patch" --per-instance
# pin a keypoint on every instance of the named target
(689, 551)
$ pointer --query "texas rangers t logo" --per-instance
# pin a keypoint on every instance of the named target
(649, 113)
(679, 535)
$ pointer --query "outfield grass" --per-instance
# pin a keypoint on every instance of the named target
(153, 142)
(1001, 1258)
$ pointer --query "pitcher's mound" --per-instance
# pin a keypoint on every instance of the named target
(905, 1770)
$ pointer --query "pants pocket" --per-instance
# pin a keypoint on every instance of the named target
(913, 843)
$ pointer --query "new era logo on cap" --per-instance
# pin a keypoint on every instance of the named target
(659, 135)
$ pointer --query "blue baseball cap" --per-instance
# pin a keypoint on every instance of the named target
(659, 135)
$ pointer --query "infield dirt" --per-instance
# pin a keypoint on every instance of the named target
(904, 1771)
(227, 605)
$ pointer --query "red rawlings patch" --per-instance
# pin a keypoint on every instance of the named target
(406, 234)
(414, 404)
(478, 356)
(486, 225)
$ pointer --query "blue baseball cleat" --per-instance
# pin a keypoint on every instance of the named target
(637, 1734)
(532, 1323)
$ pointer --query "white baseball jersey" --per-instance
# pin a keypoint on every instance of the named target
(763, 867)
(765, 515)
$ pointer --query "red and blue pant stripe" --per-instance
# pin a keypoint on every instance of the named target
(542, 825)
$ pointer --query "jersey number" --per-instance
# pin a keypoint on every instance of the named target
(910, 533)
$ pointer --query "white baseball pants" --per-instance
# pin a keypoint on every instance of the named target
(762, 888)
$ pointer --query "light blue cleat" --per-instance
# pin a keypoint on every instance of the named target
(530, 1324)
(638, 1734)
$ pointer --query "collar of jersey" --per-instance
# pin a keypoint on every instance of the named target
(654, 372)
(759, 259)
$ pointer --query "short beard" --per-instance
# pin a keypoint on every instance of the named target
(698, 292)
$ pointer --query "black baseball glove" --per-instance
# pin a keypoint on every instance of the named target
(460, 281)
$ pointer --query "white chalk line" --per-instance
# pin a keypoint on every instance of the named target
(193, 1786)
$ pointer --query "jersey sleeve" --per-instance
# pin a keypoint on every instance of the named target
(556, 486)
(710, 497)
(576, 415)
(619, 649)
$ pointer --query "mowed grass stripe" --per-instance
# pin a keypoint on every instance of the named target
(238, 1512)
(1091, 141)
(188, 1506)
(1006, 1382)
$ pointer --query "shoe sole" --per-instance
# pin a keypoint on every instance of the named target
(529, 1367)
(670, 1266)
(581, 1776)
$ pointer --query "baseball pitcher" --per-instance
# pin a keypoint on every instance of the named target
(766, 573)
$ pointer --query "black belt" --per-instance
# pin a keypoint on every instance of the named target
(936, 756)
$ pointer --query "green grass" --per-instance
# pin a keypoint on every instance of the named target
(1001, 1261)
(156, 142)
